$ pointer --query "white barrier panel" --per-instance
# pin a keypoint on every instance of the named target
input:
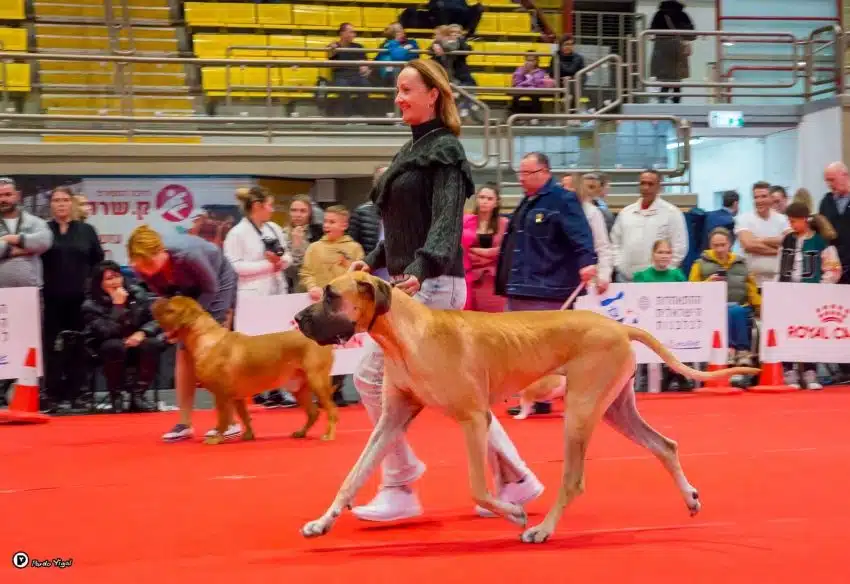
(20, 330)
(259, 315)
(812, 322)
(683, 316)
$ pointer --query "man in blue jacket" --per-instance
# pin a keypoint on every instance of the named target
(547, 250)
(723, 217)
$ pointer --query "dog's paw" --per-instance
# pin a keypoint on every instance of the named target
(299, 434)
(536, 534)
(214, 439)
(694, 504)
(248, 435)
(316, 528)
(519, 517)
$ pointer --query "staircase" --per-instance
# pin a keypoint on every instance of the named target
(100, 88)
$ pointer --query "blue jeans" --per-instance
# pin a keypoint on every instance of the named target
(740, 335)
(517, 304)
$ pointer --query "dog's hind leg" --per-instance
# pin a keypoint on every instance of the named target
(398, 411)
(304, 397)
(242, 412)
(623, 415)
(224, 409)
(594, 380)
(475, 430)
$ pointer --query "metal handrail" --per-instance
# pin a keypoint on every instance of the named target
(618, 80)
(719, 35)
(683, 133)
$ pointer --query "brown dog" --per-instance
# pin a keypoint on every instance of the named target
(234, 367)
(463, 362)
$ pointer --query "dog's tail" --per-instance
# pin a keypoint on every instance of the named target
(645, 338)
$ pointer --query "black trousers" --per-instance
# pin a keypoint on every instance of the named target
(116, 358)
(62, 380)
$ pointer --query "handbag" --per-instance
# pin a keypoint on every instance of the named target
(684, 46)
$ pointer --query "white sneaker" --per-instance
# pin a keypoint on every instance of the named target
(390, 504)
(232, 431)
(178, 432)
(810, 379)
(792, 378)
(518, 493)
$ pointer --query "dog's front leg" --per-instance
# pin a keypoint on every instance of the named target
(475, 430)
(398, 411)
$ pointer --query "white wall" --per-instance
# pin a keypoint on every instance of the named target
(819, 144)
(723, 164)
(703, 14)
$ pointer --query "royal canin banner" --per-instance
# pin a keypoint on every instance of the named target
(812, 322)
(201, 206)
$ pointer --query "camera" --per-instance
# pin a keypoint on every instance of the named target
(273, 245)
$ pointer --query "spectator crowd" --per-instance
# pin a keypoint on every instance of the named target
(561, 234)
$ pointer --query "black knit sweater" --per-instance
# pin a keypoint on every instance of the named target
(420, 199)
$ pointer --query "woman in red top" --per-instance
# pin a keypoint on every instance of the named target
(483, 230)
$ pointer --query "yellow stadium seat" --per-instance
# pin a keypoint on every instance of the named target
(256, 41)
(13, 39)
(274, 14)
(202, 14)
(508, 60)
(239, 14)
(489, 23)
(12, 10)
(515, 22)
(543, 48)
(287, 46)
(340, 14)
(492, 80)
(299, 77)
(377, 19)
(501, 3)
(209, 46)
(310, 16)
(15, 77)
(213, 79)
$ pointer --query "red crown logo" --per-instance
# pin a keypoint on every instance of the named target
(832, 313)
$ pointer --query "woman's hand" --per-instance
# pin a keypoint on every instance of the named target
(315, 293)
(359, 266)
(135, 339)
(587, 273)
(715, 278)
(275, 260)
(119, 296)
(409, 285)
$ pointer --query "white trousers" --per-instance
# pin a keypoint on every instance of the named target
(400, 466)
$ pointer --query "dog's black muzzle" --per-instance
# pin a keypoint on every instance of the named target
(326, 329)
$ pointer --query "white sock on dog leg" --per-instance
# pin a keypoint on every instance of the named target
(512, 466)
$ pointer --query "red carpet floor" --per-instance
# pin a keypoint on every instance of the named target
(772, 471)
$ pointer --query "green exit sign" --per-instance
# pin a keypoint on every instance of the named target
(725, 119)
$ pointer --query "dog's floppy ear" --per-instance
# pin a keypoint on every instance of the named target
(379, 291)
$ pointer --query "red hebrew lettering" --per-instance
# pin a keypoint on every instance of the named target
(142, 208)
(105, 207)
(120, 207)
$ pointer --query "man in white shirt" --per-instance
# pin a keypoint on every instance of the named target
(760, 235)
(641, 224)
(589, 190)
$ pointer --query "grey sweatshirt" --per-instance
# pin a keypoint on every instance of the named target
(25, 270)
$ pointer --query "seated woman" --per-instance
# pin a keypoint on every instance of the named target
(718, 264)
(121, 329)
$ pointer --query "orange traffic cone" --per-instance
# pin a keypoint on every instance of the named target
(772, 378)
(24, 408)
(718, 362)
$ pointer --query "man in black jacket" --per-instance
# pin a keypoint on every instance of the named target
(364, 227)
(835, 206)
